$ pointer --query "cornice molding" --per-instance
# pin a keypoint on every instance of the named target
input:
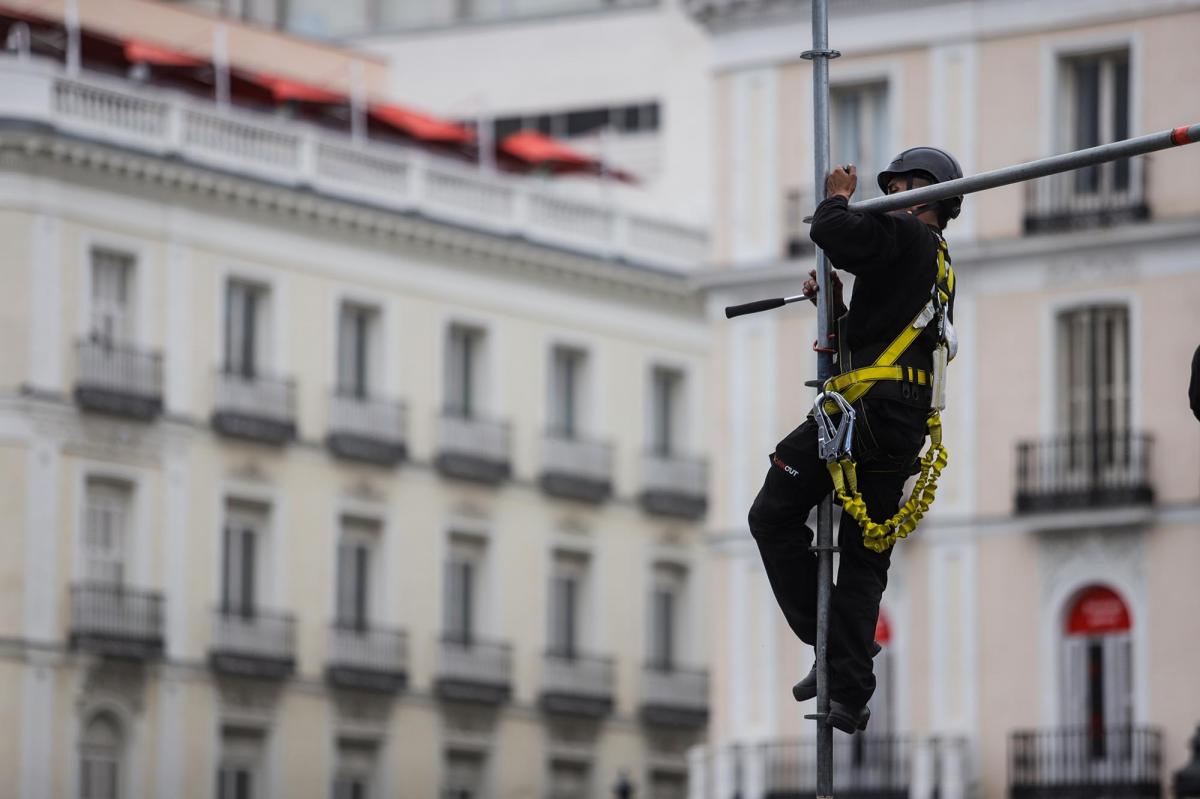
(22, 149)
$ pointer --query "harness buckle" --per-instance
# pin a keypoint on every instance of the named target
(833, 439)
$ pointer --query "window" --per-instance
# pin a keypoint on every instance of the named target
(245, 328)
(100, 750)
(666, 411)
(357, 327)
(627, 119)
(463, 567)
(355, 778)
(567, 373)
(1097, 669)
(105, 531)
(1096, 88)
(569, 780)
(112, 297)
(1094, 384)
(859, 131)
(665, 599)
(464, 370)
(358, 541)
(667, 785)
(241, 560)
(567, 584)
(239, 771)
(463, 778)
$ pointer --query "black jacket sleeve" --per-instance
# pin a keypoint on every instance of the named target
(1194, 386)
(861, 242)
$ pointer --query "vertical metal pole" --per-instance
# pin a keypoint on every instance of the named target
(820, 56)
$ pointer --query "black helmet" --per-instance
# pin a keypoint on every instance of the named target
(932, 163)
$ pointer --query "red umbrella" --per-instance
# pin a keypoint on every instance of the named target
(421, 126)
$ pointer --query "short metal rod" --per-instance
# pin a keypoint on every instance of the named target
(821, 55)
(1017, 173)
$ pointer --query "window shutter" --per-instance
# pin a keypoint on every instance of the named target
(360, 586)
(247, 572)
(345, 585)
(454, 368)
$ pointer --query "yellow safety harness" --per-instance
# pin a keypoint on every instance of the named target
(842, 390)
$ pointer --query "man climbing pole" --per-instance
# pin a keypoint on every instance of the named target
(893, 342)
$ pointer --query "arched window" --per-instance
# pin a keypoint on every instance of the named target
(100, 758)
(1097, 684)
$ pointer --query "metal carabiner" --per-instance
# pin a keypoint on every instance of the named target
(833, 440)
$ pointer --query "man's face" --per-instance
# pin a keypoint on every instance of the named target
(900, 183)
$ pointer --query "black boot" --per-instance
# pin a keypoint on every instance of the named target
(807, 688)
(847, 719)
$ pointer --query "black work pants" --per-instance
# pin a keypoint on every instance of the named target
(887, 441)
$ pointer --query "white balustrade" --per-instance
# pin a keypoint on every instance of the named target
(291, 152)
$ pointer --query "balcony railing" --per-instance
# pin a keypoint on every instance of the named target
(673, 485)
(255, 408)
(253, 643)
(117, 621)
(673, 697)
(368, 429)
(475, 449)
(471, 670)
(578, 685)
(575, 468)
(367, 658)
(166, 123)
(1074, 763)
(118, 380)
(1076, 472)
(1098, 196)
(875, 766)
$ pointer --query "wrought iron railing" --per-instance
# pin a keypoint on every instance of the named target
(674, 687)
(469, 659)
(258, 396)
(369, 417)
(368, 648)
(474, 437)
(876, 766)
(254, 634)
(578, 675)
(1072, 472)
(119, 368)
(1102, 195)
(1116, 763)
(578, 457)
(116, 612)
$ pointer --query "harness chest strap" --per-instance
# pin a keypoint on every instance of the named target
(857, 382)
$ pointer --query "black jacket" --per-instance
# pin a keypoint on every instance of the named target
(893, 258)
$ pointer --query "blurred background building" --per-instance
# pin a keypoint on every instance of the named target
(1038, 633)
(347, 452)
(364, 362)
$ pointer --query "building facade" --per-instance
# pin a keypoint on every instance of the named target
(334, 468)
(1038, 631)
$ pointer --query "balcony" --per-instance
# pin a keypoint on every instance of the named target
(367, 430)
(253, 643)
(1084, 472)
(673, 697)
(1117, 763)
(1105, 195)
(118, 380)
(195, 131)
(470, 670)
(116, 621)
(364, 658)
(470, 448)
(864, 767)
(573, 468)
(673, 485)
(575, 685)
(255, 408)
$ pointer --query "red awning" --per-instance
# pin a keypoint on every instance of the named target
(285, 89)
(421, 126)
(539, 149)
(138, 52)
